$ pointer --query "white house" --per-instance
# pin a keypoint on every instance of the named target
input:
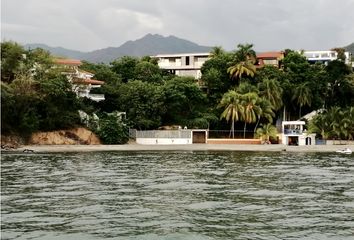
(325, 56)
(293, 133)
(81, 80)
(185, 64)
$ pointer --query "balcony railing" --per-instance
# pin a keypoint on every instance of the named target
(292, 132)
(96, 97)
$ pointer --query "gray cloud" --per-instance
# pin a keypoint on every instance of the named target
(93, 24)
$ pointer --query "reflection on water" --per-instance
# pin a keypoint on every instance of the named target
(177, 195)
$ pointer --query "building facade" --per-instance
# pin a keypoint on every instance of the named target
(325, 56)
(81, 80)
(187, 64)
(269, 58)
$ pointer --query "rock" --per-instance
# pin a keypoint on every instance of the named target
(74, 136)
(11, 142)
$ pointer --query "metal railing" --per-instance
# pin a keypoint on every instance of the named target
(96, 97)
(164, 134)
(292, 131)
(228, 134)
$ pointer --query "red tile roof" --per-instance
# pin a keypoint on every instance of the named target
(270, 55)
(72, 62)
(88, 81)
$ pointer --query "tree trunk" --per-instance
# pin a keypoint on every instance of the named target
(244, 131)
(255, 128)
(232, 130)
(300, 112)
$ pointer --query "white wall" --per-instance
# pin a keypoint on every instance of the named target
(162, 141)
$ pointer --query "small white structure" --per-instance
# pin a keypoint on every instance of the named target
(293, 133)
(185, 64)
(170, 137)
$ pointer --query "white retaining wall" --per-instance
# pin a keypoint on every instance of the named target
(169, 141)
(169, 137)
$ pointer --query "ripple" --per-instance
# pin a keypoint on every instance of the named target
(177, 195)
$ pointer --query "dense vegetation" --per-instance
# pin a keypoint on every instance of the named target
(233, 94)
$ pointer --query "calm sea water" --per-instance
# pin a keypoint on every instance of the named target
(177, 195)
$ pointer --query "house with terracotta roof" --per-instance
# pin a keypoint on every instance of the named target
(81, 80)
(269, 58)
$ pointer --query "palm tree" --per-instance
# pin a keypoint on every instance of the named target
(217, 51)
(266, 111)
(303, 96)
(246, 87)
(242, 68)
(245, 53)
(266, 131)
(251, 109)
(321, 124)
(231, 101)
(271, 90)
(244, 60)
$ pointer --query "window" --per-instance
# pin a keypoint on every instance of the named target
(187, 60)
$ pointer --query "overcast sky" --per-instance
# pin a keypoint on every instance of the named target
(93, 24)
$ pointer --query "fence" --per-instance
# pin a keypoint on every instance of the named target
(164, 134)
(228, 134)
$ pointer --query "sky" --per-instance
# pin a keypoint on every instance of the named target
(88, 25)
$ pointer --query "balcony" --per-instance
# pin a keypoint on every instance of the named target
(292, 132)
(96, 97)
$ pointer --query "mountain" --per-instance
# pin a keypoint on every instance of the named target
(56, 51)
(151, 44)
(350, 48)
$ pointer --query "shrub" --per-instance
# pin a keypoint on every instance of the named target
(112, 130)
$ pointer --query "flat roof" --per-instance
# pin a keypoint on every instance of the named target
(182, 55)
(293, 123)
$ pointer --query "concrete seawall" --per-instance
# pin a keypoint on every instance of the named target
(186, 147)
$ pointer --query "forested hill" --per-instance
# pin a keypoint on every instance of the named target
(151, 44)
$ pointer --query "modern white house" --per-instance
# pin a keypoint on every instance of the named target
(293, 133)
(81, 80)
(184, 64)
(325, 56)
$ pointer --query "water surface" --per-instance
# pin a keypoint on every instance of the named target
(177, 195)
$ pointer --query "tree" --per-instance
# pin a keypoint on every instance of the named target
(125, 67)
(185, 102)
(38, 62)
(243, 63)
(251, 110)
(303, 96)
(340, 53)
(266, 132)
(217, 51)
(143, 103)
(321, 125)
(245, 52)
(271, 90)
(12, 56)
(334, 123)
(216, 78)
(112, 129)
(265, 111)
(246, 87)
(146, 71)
(234, 110)
(242, 68)
(340, 86)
